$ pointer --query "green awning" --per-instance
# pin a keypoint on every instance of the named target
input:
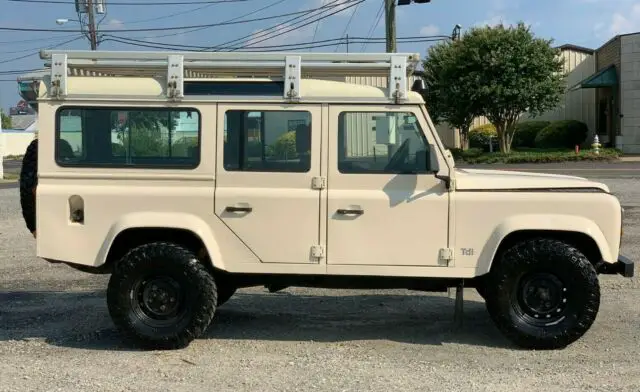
(606, 77)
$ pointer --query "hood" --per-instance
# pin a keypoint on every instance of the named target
(480, 179)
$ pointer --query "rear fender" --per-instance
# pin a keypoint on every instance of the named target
(168, 220)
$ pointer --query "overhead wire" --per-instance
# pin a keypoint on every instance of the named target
(248, 37)
(35, 53)
(251, 38)
(208, 27)
(127, 3)
(346, 29)
(162, 28)
(296, 46)
(281, 33)
(375, 26)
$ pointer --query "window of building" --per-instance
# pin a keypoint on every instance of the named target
(381, 142)
(267, 141)
(124, 137)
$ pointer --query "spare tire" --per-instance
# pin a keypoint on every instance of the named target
(28, 183)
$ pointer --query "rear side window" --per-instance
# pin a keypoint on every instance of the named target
(128, 137)
(267, 141)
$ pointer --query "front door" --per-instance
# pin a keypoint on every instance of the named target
(384, 206)
(267, 158)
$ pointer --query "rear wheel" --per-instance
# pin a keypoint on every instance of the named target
(160, 296)
(28, 183)
(543, 294)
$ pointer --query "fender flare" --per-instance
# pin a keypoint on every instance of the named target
(181, 221)
(540, 222)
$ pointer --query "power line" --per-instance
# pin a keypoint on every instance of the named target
(207, 27)
(168, 15)
(161, 28)
(346, 29)
(249, 37)
(35, 53)
(41, 39)
(375, 26)
(136, 4)
(296, 46)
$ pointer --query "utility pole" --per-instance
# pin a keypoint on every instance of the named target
(390, 24)
(390, 20)
(92, 25)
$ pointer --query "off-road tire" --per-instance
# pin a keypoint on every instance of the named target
(225, 292)
(130, 308)
(533, 323)
(28, 183)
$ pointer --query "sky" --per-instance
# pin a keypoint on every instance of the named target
(588, 23)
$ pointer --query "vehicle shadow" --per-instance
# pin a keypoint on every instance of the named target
(81, 320)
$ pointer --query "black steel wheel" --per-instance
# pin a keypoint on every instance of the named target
(543, 294)
(161, 296)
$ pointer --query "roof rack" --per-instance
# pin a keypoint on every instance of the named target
(178, 66)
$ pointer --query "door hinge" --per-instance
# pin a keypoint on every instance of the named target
(446, 255)
(317, 251)
(319, 182)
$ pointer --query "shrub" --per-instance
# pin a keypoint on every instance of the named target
(459, 154)
(481, 136)
(526, 132)
(562, 134)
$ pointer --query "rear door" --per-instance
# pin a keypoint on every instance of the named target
(268, 156)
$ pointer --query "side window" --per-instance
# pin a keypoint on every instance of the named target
(382, 143)
(119, 137)
(267, 141)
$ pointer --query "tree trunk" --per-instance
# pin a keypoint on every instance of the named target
(464, 138)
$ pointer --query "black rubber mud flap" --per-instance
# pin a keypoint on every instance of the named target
(28, 183)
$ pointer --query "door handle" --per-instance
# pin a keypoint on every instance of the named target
(238, 209)
(343, 211)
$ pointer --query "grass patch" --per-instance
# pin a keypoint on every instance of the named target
(531, 155)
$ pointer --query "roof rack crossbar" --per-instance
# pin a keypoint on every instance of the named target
(290, 66)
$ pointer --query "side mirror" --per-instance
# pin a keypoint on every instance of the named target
(434, 165)
(428, 159)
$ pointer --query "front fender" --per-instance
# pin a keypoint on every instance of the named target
(177, 220)
(541, 222)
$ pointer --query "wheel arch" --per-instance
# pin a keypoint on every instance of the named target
(183, 229)
(578, 232)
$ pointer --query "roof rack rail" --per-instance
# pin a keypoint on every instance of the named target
(178, 66)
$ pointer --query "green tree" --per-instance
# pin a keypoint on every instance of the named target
(514, 72)
(6, 120)
(141, 134)
(450, 93)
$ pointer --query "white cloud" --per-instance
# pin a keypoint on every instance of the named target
(429, 30)
(115, 24)
(622, 23)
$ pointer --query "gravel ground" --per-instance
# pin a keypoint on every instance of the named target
(55, 335)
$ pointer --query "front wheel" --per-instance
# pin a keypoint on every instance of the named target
(161, 296)
(543, 294)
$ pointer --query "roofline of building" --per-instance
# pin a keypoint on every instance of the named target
(617, 37)
(576, 48)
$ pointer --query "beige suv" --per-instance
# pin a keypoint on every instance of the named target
(189, 175)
